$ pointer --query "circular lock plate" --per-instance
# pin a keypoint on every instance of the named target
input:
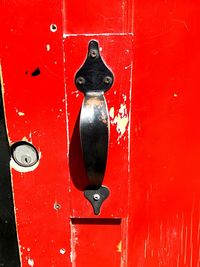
(24, 154)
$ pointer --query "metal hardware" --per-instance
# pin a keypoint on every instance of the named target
(97, 197)
(108, 80)
(80, 80)
(57, 206)
(94, 71)
(24, 154)
(93, 79)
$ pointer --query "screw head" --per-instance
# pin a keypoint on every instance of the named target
(96, 197)
(53, 27)
(93, 53)
(57, 206)
(108, 80)
(80, 80)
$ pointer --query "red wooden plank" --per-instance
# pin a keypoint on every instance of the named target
(165, 136)
(89, 16)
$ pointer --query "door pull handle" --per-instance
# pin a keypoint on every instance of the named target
(93, 79)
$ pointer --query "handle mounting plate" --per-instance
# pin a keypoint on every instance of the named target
(97, 197)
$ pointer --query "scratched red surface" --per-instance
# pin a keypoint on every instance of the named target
(152, 217)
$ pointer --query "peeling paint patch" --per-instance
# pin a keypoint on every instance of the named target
(119, 247)
(122, 109)
(30, 262)
(121, 120)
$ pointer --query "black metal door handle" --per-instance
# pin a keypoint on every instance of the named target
(94, 79)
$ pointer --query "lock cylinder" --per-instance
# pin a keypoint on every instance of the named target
(24, 154)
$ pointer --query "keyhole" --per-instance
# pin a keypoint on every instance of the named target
(24, 154)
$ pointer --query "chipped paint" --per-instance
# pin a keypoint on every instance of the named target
(122, 109)
(30, 262)
(119, 247)
(62, 251)
(124, 97)
(73, 245)
(121, 121)
(48, 47)
(21, 113)
(112, 112)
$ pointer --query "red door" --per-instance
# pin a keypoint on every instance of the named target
(149, 119)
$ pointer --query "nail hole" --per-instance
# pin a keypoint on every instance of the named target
(53, 27)
(57, 206)
(36, 72)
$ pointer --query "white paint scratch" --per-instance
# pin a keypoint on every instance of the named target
(73, 245)
(112, 112)
(65, 35)
(48, 47)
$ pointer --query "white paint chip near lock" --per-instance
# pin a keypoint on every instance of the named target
(30, 262)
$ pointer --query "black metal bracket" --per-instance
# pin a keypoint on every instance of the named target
(94, 75)
(97, 197)
(94, 78)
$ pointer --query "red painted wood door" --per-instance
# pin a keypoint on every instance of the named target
(151, 217)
